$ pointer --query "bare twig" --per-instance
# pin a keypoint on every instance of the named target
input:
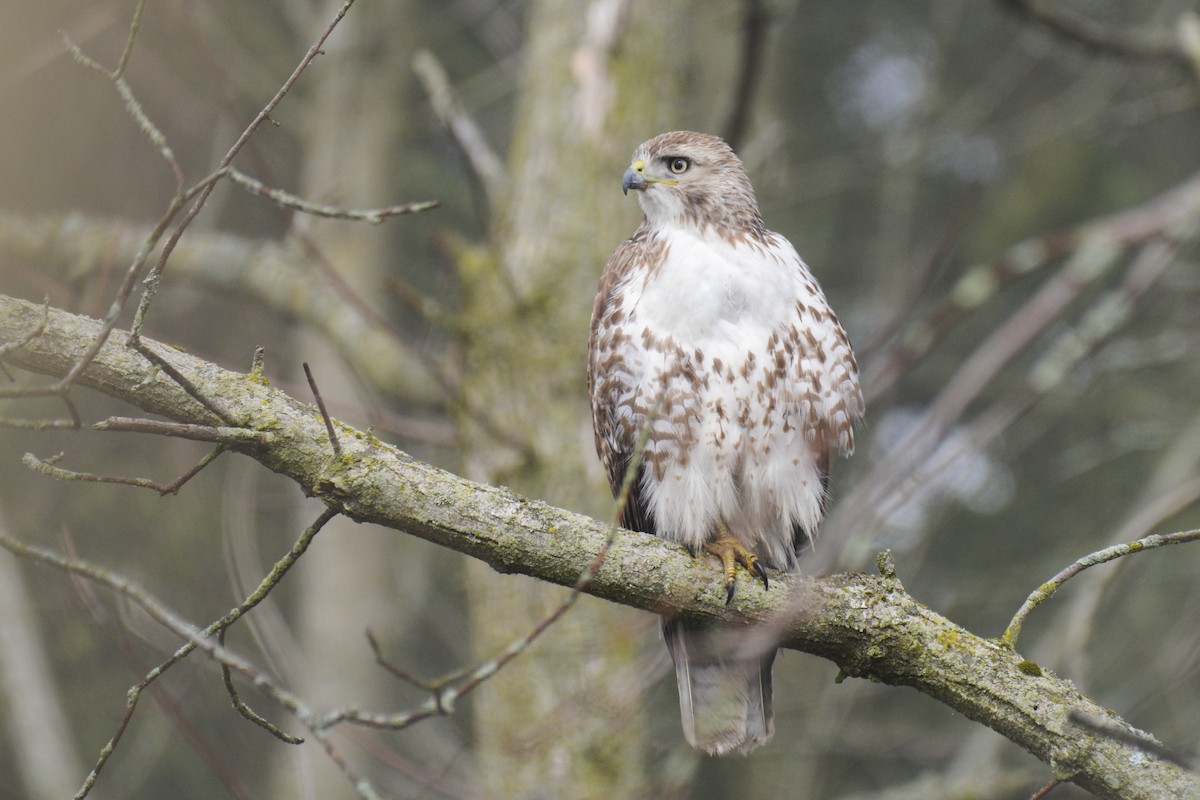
(180, 379)
(297, 203)
(246, 711)
(62, 389)
(312, 385)
(134, 26)
(46, 467)
(1047, 589)
(132, 104)
(198, 433)
(435, 687)
(123, 293)
(38, 424)
(399, 672)
(152, 280)
(1045, 790)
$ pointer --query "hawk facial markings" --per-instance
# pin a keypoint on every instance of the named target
(719, 316)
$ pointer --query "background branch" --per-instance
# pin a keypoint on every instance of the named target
(1102, 40)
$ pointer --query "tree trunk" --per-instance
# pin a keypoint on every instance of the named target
(564, 719)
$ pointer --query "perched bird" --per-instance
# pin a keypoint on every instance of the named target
(711, 326)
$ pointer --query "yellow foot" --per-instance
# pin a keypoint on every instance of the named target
(732, 552)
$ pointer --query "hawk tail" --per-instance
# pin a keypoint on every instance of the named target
(724, 695)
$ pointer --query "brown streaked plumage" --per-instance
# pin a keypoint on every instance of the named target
(707, 309)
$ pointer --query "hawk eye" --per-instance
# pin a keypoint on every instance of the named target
(679, 165)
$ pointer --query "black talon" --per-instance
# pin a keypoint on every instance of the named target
(729, 587)
(762, 573)
(691, 550)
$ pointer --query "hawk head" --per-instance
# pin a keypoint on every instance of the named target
(693, 179)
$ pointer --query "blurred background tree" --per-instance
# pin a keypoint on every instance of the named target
(935, 163)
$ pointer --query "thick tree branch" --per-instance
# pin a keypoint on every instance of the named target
(868, 626)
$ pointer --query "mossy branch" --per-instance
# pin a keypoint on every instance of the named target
(869, 626)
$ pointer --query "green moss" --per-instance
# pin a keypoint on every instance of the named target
(948, 638)
(1030, 668)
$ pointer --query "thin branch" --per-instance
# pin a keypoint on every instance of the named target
(132, 105)
(1044, 791)
(403, 674)
(1047, 589)
(155, 276)
(39, 424)
(312, 385)
(246, 711)
(46, 467)
(287, 200)
(198, 433)
(62, 388)
(134, 26)
(183, 382)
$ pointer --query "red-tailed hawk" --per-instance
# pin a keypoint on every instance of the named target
(715, 321)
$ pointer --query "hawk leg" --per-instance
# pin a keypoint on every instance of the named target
(732, 552)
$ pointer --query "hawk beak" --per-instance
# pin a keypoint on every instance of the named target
(633, 178)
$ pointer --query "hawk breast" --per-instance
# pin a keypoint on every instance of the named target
(738, 342)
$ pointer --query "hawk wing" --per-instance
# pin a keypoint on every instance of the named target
(611, 380)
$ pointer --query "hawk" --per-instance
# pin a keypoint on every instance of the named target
(710, 329)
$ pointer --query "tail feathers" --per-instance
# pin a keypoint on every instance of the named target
(724, 696)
